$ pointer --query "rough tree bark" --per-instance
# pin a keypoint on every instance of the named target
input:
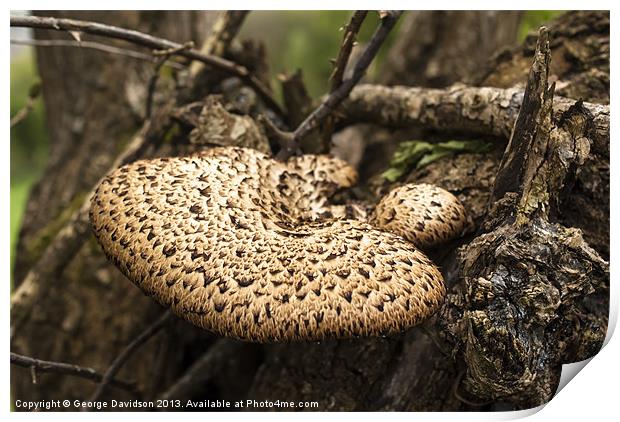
(580, 50)
(94, 103)
(545, 270)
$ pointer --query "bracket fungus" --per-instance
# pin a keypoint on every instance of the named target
(249, 247)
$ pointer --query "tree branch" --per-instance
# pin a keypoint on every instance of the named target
(224, 30)
(47, 366)
(458, 109)
(33, 94)
(290, 144)
(348, 41)
(149, 41)
(95, 46)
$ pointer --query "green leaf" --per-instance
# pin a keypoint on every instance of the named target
(417, 154)
(433, 156)
(393, 174)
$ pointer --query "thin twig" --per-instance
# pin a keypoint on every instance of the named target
(152, 85)
(290, 143)
(336, 97)
(126, 353)
(46, 366)
(33, 94)
(348, 41)
(95, 46)
(149, 41)
(167, 52)
(224, 30)
(162, 57)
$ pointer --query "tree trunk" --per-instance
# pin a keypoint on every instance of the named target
(440, 365)
(438, 48)
(580, 50)
(94, 103)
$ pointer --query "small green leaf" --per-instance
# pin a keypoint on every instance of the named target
(417, 154)
(392, 174)
(433, 156)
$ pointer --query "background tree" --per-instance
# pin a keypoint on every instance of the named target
(94, 103)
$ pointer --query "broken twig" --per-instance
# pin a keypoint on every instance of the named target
(33, 94)
(38, 365)
(290, 142)
(348, 42)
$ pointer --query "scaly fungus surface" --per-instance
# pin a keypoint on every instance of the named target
(249, 247)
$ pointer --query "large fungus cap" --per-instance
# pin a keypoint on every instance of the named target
(249, 247)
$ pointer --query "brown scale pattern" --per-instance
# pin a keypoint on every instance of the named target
(424, 214)
(248, 247)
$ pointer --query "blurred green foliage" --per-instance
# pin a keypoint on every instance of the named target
(28, 139)
(307, 40)
(533, 19)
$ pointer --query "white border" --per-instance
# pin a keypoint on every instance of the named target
(590, 395)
